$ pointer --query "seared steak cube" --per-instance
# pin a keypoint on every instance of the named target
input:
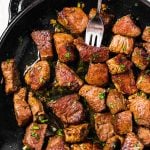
(123, 122)
(115, 101)
(95, 97)
(140, 107)
(68, 109)
(121, 44)
(76, 133)
(114, 143)
(43, 40)
(125, 82)
(34, 136)
(90, 53)
(57, 143)
(146, 34)
(36, 107)
(143, 82)
(85, 146)
(38, 75)
(97, 74)
(64, 47)
(73, 19)
(106, 17)
(103, 126)
(144, 135)
(66, 77)
(119, 64)
(140, 58)
(11, 76)
(125, 26)
(146, 45)
(21, 107)
(132, 143)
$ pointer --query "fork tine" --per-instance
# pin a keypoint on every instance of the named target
(87, 38)
(99, 40)
(93, 39)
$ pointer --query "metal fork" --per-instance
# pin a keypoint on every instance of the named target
(95, 29)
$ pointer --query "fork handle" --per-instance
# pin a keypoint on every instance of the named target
(99, 6)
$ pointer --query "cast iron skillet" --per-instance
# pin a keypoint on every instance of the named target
(37, 16)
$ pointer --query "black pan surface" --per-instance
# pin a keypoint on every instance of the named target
(38, 18)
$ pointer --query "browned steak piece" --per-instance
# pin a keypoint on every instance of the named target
(21, 107)
(140, 58)
(132, 143)
(34, 136)
(144, 135)
(90, 53)
(66, 77)
(85, 146)
(146, 45)
(38, 75)
(36, 107)
(106, 17)
(103, 126)
(125, 82)
(119, 64)
(76, 133)
(57, 143)
(123, 122)
(115, 101)
(146, 34)
(143, 82)
(125, 26)
(97, 74)
(140, 107)
(73, 19)
(68, 109)
(114, 143)
(64, 47)
(11, 76)
(121, 44)
(95, 97)
(43, 41)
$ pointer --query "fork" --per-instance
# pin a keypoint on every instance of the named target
(95, 29)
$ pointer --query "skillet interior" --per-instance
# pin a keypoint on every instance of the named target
(38, 18)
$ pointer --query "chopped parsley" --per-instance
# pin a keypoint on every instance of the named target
(67, 55)
(111, 106)
(122, 67)
(35, 135)
(35, 127)
(95, 56)
(124, 48)
(80, 5)
(59, 132)
(101, 96)
(42, 119)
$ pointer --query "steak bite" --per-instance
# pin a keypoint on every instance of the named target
(73, 19)
(114, 143)
(144, 135)
(85, 146)
(34, 136)
(126, 27)
(121, 44)
(143, 82)
(97, 74)
(66, 77)
(64, 47)
(103, 126)
(140, 107)
(11, 76)
(90, 53)
(115, 101)
(21, 107)
(123, 122)
(119, 64)
(43, 40)
(76, 133)
(146, 45)
(36, 107)
(38, 75)
(140, 58)
(68, 109)
(95, 97)
(131, 142)
(146, 34)
(125, 82)
(57, 143)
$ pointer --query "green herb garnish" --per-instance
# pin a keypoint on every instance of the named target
(35, 127)
(122, 67)
(35, 135)
(95, 56)
(68, 55)
(101, 96)
(42, 119)
(124, 48)
(80, 5)
(111, 105)
(59, 132)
